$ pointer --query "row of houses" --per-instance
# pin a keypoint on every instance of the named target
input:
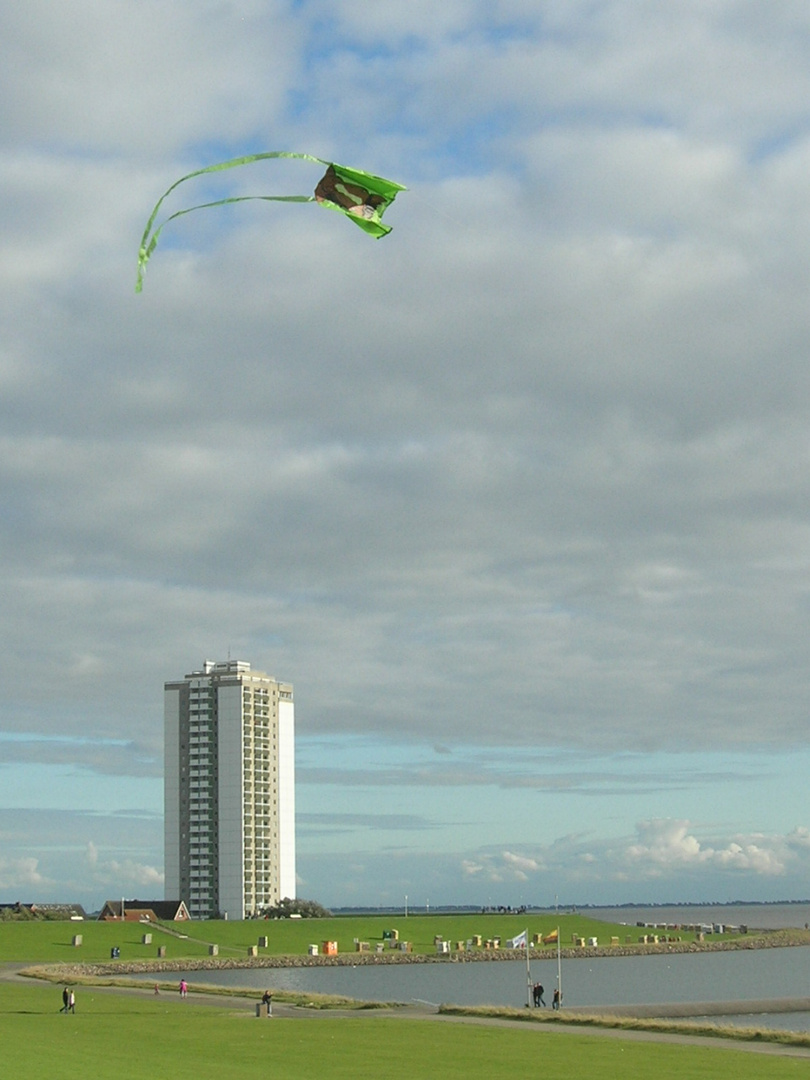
(113, 911)
(144, 911)
(43, 911)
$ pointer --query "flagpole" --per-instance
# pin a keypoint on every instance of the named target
(559, 967)
(528, 974)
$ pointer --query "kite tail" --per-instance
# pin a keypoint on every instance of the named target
(149, 239)
(145, 252)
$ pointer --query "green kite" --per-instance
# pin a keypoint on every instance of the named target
(360, 195)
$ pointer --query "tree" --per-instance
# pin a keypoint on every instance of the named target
(307, 909)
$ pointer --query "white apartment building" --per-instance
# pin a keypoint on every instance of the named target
(229, 785)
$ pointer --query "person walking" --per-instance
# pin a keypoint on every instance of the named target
(539, 990)
(556, 1000)
(267, 999)
(183, 988)
(72, 1002)
(65, 1000)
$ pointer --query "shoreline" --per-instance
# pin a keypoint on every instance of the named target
(773, 940)
(688, 1010)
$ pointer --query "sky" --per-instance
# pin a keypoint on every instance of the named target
(517, 497)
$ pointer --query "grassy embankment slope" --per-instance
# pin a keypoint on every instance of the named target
(51, 941)
(114, 1035)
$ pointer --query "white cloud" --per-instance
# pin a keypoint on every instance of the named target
(471, 867)
(665, 854)
(506, 867)
(751, 856)
(520, 864)
(144, 78)
(666, 843)
(118, 875)
(132, 873)
(398, 24)
(664, 862)
(531, 472)
(21, 873)
(799, 838)
(667, 846)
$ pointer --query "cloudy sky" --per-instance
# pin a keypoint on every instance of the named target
(517, 497)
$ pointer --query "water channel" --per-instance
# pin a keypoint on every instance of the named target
(746, 974)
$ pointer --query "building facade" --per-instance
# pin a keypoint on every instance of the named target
(229, 787)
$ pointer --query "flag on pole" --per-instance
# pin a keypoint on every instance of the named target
(519, 942)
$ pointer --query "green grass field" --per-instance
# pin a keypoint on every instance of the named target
(51, 941)
(115, 1035)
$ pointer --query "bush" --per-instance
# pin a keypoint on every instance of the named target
(307, 909)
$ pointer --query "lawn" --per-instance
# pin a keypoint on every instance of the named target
(51, 941)
(115, 1035)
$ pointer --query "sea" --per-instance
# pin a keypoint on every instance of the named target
(755, 916)
(741, 975)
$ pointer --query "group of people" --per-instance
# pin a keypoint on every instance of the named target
(69, 998)
(537, 996)
(267, 997)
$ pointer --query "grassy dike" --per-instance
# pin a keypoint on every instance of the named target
(114, 1035)
(51, 941)
(625, 1023)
